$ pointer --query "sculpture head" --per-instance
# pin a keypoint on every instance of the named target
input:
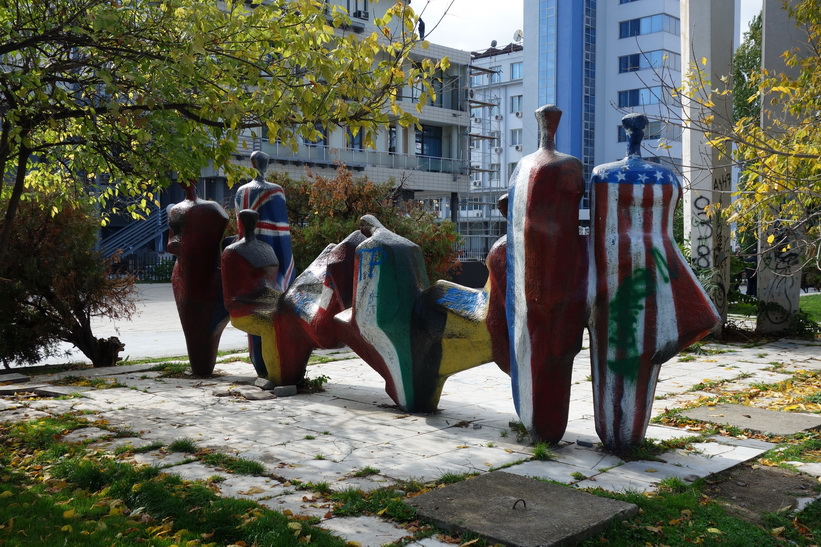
(548, 117)
(369, 224)
(259, 161)
(634, 125)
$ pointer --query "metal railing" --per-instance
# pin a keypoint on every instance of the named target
(136, 234)
(357, 158)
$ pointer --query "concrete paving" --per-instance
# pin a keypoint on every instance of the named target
(330, 436)
(519, 512)
(759, 420)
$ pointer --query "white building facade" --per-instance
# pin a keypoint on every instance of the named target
(496, 144)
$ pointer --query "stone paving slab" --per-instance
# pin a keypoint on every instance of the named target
(365, 531)
(14, 389)
(755, 419)
(13, 377)
(517, 511)
(59, 391)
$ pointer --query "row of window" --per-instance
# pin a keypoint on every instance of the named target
(647, 25)
(652, 59)
(495, 77)
(495, 139)
(640, 97)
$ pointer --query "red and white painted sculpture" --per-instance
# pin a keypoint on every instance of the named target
(646, 304)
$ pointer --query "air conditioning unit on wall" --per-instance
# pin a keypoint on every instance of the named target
(519, 114)
(360, 14)
(497, 117)
(518, 147)
(497, 150)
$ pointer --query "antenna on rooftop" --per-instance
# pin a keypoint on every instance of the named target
(518, 35)
(493, 43)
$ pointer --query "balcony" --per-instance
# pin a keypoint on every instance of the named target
(355, 159)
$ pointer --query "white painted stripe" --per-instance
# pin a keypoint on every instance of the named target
(365, 308)
(521, 337)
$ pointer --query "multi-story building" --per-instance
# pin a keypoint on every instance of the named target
(598, 61)
(495, 140)
(431, 160)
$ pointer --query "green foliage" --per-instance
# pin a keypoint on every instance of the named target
(54, 283)
(542, 452)
(325, 210)
(187, 446)
(111, 97)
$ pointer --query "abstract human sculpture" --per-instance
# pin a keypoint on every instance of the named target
(272, 228)
(196, 228)
(546, 281)
(646, 303)
(256, 304)
(413, 334)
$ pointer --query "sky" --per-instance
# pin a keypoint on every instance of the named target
(472, 24)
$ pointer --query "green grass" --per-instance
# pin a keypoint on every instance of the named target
(542, 452)
(94, 500)
(811, 304)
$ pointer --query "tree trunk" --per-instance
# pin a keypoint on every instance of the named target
(14, 200)
(103, 352)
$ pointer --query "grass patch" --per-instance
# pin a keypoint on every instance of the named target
(232, 464)
(82, 381)
(93, 500)
(313, 385)
(542, 452)
(811, 304)
(366, 472)
(387, 502)
(187, 446)
(172, 370)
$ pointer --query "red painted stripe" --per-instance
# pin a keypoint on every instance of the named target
(600, 305)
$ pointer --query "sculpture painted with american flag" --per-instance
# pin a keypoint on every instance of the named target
(268, 200)
(646, 303)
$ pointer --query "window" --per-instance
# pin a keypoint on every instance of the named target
(429, 141)
(392, 139)
(653, 131)
(354, 141)
(510, 168)
(626, 1)
(495, 138)
(640, 97)
(652, 59)
(496, 75)
(494, 172)
(493, 110)
(515, 137)
(647, 25)
(358, 8)
(515, 104)
(516, 70)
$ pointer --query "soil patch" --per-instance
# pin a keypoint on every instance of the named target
(752, 490)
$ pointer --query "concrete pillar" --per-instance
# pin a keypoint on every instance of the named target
(707, 43)
(779, 264)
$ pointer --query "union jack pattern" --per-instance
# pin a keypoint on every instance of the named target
(269, 201)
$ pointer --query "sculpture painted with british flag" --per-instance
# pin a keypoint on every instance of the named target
(646, 303)
(268, 200)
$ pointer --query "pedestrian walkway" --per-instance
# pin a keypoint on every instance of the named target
(332, 436)
(353, 425)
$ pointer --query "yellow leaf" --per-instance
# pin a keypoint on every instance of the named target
(6, 494)
(704, 61)
(67, 528)
(770, 239)
(68, 514)
(382, 511)
(714, 531)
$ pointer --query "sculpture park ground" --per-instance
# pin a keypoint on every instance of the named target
(351, 436)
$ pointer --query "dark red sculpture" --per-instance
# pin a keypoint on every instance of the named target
(546, 299)
(196, 229)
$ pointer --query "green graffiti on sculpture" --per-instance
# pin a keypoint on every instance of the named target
(623, 323)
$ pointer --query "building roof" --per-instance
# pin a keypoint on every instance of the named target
(492, 51)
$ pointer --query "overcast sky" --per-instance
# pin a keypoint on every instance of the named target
(472, 24)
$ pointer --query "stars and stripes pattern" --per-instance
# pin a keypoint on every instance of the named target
(646, 304)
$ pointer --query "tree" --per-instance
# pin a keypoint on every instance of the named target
(324, 210)
(54, 283)
(779, 150)
(102, 99)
